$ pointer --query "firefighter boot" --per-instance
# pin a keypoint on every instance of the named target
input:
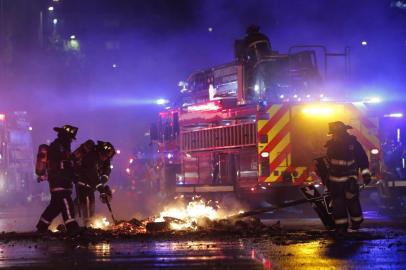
(340, 232)
(87, 222)
(72, 228)
(42, 226)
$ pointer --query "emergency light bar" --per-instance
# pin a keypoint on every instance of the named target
(210, 106)
(373, 100)
(162, 101)
(394, 115)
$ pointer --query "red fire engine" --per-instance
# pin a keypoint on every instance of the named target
(255, 125)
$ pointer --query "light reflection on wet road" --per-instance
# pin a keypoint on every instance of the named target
(386, 249)
(127, 255)
(327, 254)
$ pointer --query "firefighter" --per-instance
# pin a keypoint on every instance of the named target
(93, 172)
(60, 177)
(256, 44)
(346, 158)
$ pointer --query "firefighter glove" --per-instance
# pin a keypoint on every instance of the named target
(366, 176)
(66, 164)
(104, 178)
(106, 194)
(321, 169)
(104, 197)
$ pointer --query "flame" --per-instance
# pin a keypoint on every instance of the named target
(186, 216)
(100, 223)
(183, 215)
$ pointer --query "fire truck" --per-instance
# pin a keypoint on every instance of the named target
(254, 126)
(16, 158)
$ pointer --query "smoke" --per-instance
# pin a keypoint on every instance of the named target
(158, 44)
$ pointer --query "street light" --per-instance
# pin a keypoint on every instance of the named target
(72, 37)
(51, 8)
(55, 21)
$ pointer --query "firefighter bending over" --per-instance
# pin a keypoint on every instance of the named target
(346, 157)
(93, 171)
(60, 177)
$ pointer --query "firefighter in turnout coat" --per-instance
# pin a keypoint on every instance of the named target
(346, 158)
(93, 171)
(60, 177)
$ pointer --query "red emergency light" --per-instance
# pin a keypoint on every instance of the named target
(210, 106)
(2, 116)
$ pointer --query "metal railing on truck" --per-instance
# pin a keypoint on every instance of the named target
(238, 135)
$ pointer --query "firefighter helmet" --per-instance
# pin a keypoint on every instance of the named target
(336, 127)
(252, 29)
(106, 149)
(69, 130)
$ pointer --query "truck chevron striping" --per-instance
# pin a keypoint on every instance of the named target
(275, 114)
(281, 122)
(278, 139)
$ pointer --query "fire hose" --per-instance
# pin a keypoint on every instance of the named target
(276, 207)
(321, 198)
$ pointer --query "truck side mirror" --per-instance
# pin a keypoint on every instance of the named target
(153, 132)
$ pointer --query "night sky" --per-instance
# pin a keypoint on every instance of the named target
(110, 94)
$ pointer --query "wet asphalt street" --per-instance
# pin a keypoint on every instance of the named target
(380, 249)
(301, 245)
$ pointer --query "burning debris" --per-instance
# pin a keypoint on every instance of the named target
(195, 215)
(196, 218)
(181, 217)
(133, 226)
(100, 223)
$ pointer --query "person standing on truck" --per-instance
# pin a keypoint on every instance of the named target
(346, 158)
(60, 177)
(256, 44)
(92, 172)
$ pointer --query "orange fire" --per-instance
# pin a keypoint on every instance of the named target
(100, 223)
(181, 216)
(186, 216)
